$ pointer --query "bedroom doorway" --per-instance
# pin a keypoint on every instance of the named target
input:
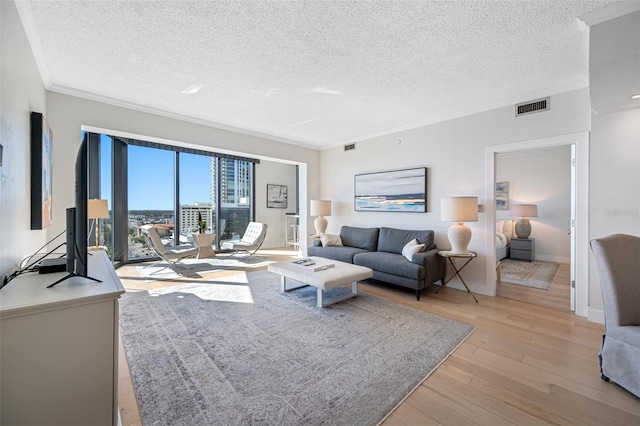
(578, 269)
(541, 276)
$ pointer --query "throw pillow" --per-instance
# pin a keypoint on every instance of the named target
(411, 248)
(330, 240)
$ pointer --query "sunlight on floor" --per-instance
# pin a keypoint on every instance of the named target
(225, 289)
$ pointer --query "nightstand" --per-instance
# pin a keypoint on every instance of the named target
(522, 249)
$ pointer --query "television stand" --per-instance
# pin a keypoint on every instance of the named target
(73, 274)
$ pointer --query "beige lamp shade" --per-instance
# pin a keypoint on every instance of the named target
(97, 209)
(459, 209)
(524, 210)
(320, 208)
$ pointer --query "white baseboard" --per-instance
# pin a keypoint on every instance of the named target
(596, 315)
(547, 258)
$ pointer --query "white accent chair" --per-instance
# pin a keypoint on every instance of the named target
(171, 255)
(618, 260)
(250, 242)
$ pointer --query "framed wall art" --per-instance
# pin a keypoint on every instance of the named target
(277, 196)
(394, 191)
(41, 172)
(502, 195)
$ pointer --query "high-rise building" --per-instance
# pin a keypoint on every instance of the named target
(189, 216)
(235, 182)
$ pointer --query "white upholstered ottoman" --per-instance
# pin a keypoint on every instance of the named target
(323, 274)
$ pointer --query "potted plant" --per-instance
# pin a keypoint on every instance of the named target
(201, 224)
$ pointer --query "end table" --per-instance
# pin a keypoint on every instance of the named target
(450, 256)
(204, 243)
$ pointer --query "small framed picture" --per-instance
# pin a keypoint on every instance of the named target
(277, 196)
(502, 195)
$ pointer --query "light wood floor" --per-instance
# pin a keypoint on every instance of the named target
(557, 297)
(525, 364)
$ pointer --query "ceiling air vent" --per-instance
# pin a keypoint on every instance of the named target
(350, 146)
(538, 105)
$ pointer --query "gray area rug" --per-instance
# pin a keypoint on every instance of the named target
(238, 351)
(528, 274)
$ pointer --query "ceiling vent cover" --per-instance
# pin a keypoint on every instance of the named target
(350, 146)
(538, 105)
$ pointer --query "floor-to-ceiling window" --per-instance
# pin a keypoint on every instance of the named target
(151, 193)
(172, 188)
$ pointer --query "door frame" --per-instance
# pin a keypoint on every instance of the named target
(581, 190)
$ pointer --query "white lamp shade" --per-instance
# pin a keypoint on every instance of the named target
(97, 209)
(459, 209)
(524, 210)
(320, 208)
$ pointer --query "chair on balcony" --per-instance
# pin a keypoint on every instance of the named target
(250, 242)
(618, 262)
(171, 255)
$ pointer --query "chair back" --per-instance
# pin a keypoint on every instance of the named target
(255, 233)
(618, 262)
(153, 238)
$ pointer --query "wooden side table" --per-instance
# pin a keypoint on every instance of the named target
(450, 257)
(204, 243)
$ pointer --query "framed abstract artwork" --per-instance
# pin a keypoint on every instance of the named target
(502, 195)
(394, 191)
(41, 172)
(277, 196)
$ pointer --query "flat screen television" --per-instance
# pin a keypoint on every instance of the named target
(77, 221)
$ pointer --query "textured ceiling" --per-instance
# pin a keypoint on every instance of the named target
(315, 73)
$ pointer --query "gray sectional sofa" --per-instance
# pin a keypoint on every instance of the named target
(381, 250)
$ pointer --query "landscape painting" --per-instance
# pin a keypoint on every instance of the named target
(395, 191)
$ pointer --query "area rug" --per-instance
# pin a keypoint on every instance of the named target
(238, 351)
(528, 274)
(196, 267)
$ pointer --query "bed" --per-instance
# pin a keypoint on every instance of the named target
(504, 233)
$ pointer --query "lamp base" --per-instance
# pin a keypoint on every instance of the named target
(523, 228)
(320, 224)
(459, 236)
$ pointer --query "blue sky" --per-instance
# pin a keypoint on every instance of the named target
(151, 177)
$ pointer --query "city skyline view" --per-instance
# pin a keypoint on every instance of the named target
(151, 176)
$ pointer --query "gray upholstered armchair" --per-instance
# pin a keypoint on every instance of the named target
(618, 261)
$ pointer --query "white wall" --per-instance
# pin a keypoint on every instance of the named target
(454, 152)
(269, 172)
(615, 182)
(21, 92)
(541, 177)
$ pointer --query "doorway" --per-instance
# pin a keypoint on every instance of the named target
(579, 256)
(538, 177)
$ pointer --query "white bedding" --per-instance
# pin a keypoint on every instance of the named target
(501, 240)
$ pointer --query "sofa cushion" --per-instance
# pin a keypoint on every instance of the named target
(393, 240)
(390, 263)
(362, 238)
(340, 253)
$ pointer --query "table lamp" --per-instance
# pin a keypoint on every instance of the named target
(97, 209)
(524, 211)
(459, 210)
(320, 208)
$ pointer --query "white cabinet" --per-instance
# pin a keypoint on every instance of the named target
(291, 229)
(59, 348)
